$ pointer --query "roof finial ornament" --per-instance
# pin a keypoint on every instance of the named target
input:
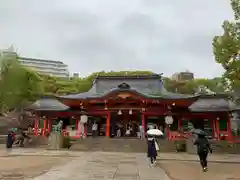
(124, 86)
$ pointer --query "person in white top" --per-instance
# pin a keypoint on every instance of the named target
(141, 131)
(94, 129)
(118, 132)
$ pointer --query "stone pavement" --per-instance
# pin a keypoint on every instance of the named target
(220, 158)
(106, 166)
(123, 166)
(190, 170)
(22, 167)
(217, 158)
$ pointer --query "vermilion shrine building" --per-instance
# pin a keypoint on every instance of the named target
(139, 100)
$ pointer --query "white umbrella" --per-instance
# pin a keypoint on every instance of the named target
(155, 132)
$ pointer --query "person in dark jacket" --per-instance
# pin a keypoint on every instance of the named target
(203, 147)
(10, 139)
(152, 152)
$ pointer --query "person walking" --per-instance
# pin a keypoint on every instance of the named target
(118, 132)
(152, 152)
(203, 147)
(10, 139)
(142, 133)
(95, 129)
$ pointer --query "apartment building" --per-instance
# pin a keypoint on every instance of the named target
(42, 66)
(46, 67)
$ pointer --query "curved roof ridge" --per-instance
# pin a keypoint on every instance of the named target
(150, 76)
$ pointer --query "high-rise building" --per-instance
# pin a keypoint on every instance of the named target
(183, 76)
(75, 75)
(46, 67)
(42, 66)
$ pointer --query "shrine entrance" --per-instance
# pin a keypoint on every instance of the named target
(125, 123)
(101, 125)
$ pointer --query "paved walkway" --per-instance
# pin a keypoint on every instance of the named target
(216, 158)
(106, 166)
(132, 166)
(193, 170)
(221, 158)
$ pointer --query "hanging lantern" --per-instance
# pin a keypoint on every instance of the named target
(168, 120)
(130, 111)
(119, 112)
(83, 119)
(105, 105)
(81, 105)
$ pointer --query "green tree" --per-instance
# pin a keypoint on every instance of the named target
(17, 83)
(226, 48)
(191, 87)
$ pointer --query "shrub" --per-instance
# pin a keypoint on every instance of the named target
(180, 145)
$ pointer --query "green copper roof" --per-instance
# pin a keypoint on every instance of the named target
(147, 86)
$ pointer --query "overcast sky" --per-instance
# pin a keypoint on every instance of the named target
(164, 36)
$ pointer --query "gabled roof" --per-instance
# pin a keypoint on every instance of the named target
(47, 104)
(149, 86)
(205, 104)
(146, 84)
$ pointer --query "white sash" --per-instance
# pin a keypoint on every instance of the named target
(156, 146)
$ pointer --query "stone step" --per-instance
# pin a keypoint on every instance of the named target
(104, 144)
(166, 146)
(119, 145)
(219, 146)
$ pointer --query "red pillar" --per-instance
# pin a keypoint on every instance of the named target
(179, 124)
(143, 122)
(49, 125)
(213, 128)
(44, 127)
(229, 129)
(36, 127)
(217, 129)
(108, 125)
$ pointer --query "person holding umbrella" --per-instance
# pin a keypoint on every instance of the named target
(203, 147)
(152, 151)
(152, 144)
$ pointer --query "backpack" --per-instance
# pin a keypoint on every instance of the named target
(203, 147)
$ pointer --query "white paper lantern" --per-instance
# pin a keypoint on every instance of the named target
(130, 112)
(120, 112)
(168, 120)
(83, 119)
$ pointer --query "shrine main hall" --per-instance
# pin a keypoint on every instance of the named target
(117, 102)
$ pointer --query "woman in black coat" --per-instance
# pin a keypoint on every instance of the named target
(10, 139)
(152, 152)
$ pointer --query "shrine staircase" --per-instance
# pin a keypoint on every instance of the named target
(225, 147)
(118, 145)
